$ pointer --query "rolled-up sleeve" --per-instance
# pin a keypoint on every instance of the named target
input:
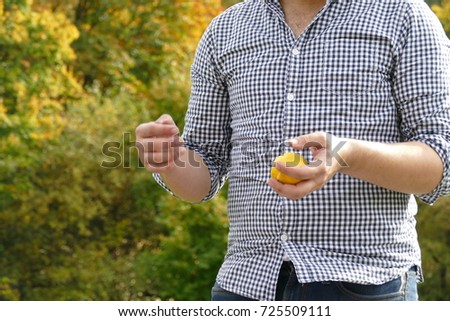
(207, 122)
(422, 88)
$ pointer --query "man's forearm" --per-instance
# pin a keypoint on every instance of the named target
(188, 178)
(410, 167)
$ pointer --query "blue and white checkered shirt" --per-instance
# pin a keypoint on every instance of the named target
(375, 70)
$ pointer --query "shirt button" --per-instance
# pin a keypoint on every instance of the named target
(290, 97)
(295, 52)
(284, 237)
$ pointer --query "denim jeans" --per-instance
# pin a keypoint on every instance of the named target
(403, 288)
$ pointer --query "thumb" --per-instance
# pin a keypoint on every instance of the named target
(165, 119)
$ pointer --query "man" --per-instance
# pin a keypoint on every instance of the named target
(362, 90)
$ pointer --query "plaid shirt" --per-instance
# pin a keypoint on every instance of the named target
(369, 70)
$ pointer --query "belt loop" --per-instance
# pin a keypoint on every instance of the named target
(404, 278)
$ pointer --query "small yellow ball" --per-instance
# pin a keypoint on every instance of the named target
(289, 159)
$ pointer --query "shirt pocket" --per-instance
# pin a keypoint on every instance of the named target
(356, 66)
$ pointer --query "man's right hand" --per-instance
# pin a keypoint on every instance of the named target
(159, 144)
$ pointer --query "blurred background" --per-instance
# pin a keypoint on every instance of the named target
(80, 219)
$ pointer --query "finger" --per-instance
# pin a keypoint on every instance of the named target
(158, 167)
(293, 192)
(159, 163)
(159, 159)
(158, 144)
(165, 119)
(155, 129)
(301, 190)
(315, 140)
(299, 172)
(276, 185)
(163, 159)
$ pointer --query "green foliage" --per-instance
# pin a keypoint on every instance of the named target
(431, 2)
(7, 292)
(36, 81)
(121, 42)
(443, 13)
(228, 3)
(78, 213)
(192, 247)
(434, 236)
(76, 219)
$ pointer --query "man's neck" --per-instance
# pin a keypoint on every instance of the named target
(299, 13)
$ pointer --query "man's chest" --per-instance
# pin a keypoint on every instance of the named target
(336, 73)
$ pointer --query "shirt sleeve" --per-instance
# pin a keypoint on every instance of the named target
(422, 87)
(207, 123)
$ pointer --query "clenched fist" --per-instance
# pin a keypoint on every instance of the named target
(159, 144)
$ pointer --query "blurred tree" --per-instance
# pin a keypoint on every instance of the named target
(76, 76)
(192, 247)
(36, 86)
(229, 3)
(443, 13)
(434, 236)
(36, 81)
(431, 2)
(121, 43)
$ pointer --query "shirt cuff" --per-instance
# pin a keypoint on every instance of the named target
(442, 147)
(218, 178)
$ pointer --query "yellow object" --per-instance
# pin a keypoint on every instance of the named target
(289, 159)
